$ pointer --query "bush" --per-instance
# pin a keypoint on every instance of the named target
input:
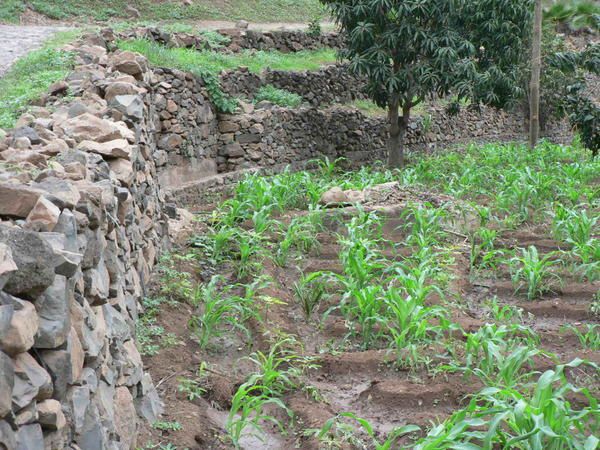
(279, 97)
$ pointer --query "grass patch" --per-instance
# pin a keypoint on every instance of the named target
(214, 62)
(97, 10)
(279, 97)
(31, 76)
(368, 108)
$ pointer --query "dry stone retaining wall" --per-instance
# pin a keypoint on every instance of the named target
(81, 226)
(329, 85)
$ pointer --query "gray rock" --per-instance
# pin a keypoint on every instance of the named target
(53, 310)
(78, 399)
(60, 192)
(131, 106)
(97, 284)
(32, 382)
(65, 262)
(67, 226)
(30, 437)
(29, 133)
(7, 382)
(92, 435)
(8, 439)
(31, 255)
(148, 404)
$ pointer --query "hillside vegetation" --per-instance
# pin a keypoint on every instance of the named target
(97, 10)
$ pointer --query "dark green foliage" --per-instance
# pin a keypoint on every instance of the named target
(572, 101)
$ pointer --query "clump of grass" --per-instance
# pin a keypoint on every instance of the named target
(277, 96)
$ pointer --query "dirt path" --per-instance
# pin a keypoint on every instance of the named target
(16, 41)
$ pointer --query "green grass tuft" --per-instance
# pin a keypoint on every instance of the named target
(279, 97)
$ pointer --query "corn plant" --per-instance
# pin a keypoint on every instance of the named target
(533, 272)
(332, 424)
(248, 411)
(301, 234)
(539, 418)
(218, 309)
(483, 253)
(310, 290)
(280, 369)
(424, 225)
(499, 355)
(589, 336)
(363, 311)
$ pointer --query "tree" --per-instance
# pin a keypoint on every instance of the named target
(412, 50)
(536, 68)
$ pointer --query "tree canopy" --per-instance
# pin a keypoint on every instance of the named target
(410, 50)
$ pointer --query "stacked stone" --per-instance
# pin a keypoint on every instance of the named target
(81, 226)
(328, 85)
(286, 41)
(186, 129)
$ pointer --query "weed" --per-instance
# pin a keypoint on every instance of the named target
(280, 97)
(334, 423)
(191, 388)
(167, 426)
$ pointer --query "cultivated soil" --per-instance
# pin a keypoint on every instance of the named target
(367, 383)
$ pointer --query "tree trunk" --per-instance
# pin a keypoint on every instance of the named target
(534, 86)
(398, 126)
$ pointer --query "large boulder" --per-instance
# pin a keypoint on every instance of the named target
(62, 193)
(17, 200)
(89, 127)
(31, 254)
(18, 335)
(118, 148)
(32, 382)
(130, 63)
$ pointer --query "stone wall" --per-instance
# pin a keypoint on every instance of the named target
(329, 85)
(81, 225)
(286, 41)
